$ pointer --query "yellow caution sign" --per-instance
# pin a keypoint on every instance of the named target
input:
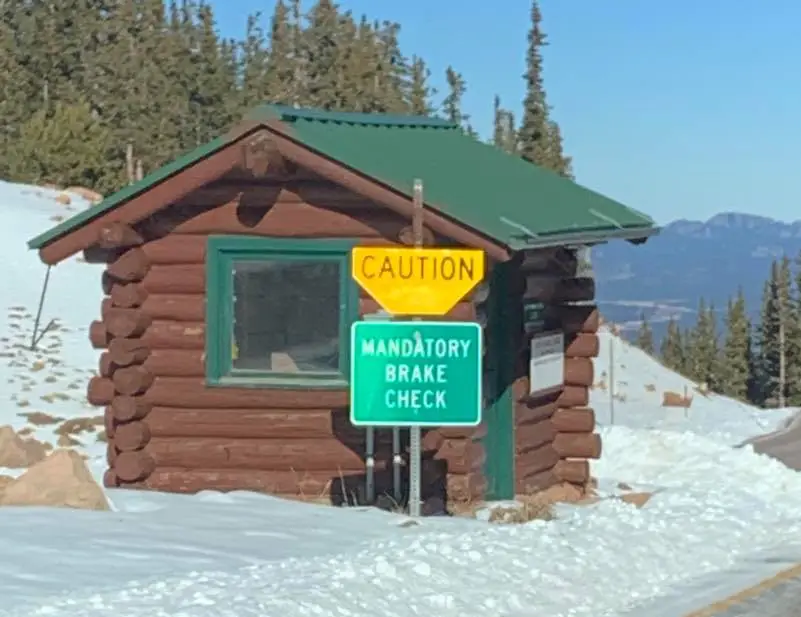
(417, 281)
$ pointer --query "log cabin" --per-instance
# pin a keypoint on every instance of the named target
(227, 298)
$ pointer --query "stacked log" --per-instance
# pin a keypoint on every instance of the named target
(167, 430)
(123, 379)
(452, 469)
(574, 422)
(554, 432)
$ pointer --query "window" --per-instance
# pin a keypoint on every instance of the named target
(278, 312)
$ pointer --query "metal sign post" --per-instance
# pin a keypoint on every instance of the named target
(416, 373)
(415, 447)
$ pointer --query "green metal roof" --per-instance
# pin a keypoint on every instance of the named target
(499, 195)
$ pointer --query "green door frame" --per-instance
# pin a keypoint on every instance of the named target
(499, 443)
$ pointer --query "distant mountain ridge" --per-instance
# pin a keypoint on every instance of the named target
(689, 260)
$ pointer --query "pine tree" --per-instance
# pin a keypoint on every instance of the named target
(533, 132)
(645, 337)
(452, 105)
(157, 76)
(65, 146)
(794, 340)
(392, 69)
(736, 361)
(539, 136)
(775, 332)
(419, 92)
(672, 348)
(211, 95)
(283, 64)
(702, 360)
(321, 52)
(497, 124)
(254, 62)
(16, 92)
(503, 134)
(557, 160)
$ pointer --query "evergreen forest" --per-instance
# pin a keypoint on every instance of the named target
(98, 92)
(754, 360)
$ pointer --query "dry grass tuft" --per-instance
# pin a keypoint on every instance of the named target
(540, 506)
(529, 510)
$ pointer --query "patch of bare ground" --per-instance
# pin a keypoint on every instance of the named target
(76, 426)
(69, 430)
(54, 396)
(40, 418)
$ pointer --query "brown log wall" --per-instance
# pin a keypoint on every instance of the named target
(555, 434)
(168, 431)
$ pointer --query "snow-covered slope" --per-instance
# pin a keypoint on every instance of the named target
(211, 555)
(640, 382)
(42, 389)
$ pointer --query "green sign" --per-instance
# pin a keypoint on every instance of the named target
(415, 373)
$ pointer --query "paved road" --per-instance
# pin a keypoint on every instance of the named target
(779, 596)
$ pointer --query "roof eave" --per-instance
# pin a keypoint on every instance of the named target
(588, 237)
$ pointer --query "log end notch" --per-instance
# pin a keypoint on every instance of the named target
(555, 433)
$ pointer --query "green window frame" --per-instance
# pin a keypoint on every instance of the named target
(222, 252)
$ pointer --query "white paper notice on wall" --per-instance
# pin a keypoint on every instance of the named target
(546, 368)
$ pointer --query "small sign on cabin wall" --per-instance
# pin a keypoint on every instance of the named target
(546, 368)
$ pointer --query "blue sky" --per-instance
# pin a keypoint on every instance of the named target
(681, 109)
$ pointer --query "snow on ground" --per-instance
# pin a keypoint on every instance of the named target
(49, 383)
(718, 515)
(639, 383)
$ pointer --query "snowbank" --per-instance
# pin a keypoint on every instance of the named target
(639, 384)
(714, 508)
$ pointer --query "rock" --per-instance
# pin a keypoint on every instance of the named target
(636, 499)
(4, 480)
(18, 453)
(623, 486)
(60, 480)
(93, 197)
(63, 199)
